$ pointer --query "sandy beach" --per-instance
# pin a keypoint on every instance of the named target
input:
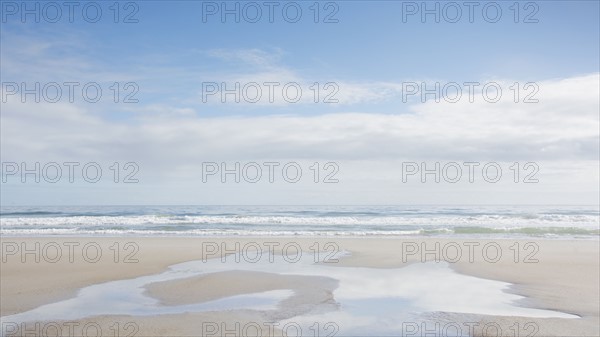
(302, 168)
(554, 275)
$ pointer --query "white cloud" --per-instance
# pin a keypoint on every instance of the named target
(255, 57)
(171, 142)
(558, 127)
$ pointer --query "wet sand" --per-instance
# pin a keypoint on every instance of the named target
(559, 275)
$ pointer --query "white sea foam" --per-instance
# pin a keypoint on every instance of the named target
(306, 221)
(142, 220)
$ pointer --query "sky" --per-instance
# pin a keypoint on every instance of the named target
(518, 83)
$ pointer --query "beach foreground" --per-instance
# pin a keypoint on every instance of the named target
(299, 286)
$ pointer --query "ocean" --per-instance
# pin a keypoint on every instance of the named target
(582, 222)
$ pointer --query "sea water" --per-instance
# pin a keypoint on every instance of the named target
(485, 221)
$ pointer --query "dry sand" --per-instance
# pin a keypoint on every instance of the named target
(564, 278)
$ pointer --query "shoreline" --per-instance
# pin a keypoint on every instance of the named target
(320, 237)
(565, 278)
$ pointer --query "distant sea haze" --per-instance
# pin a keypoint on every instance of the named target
(496, 221)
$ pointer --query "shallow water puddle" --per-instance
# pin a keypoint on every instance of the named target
(371, 301)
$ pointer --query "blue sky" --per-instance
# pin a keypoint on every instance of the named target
(369, 53)
(370, 43)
